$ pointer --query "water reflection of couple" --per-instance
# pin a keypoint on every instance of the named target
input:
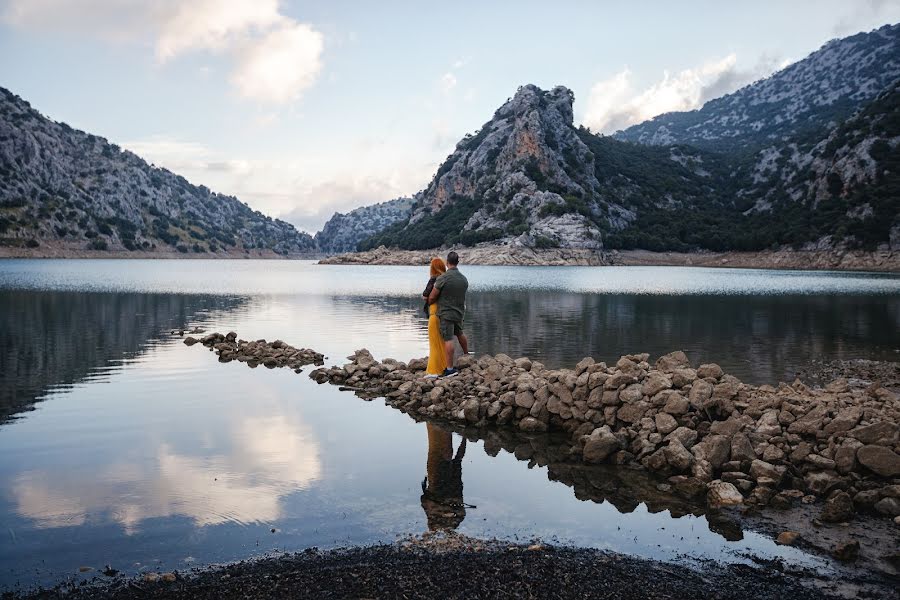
(445, 304)
(442, 488)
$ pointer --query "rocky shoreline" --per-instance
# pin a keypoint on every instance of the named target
(715, 440)
(455, 566)
(850, 260)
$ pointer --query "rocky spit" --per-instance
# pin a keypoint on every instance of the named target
(711, 435)
(259, 352)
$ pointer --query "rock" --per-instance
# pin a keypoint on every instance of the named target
(846, 552)
(838, 508)
(874, 433)
(761, 469)
(741, 448)
(683, 377)
(583, 365)
(709, 370)
(845, 459)
(685, 435)
(721, 494)
(678, 456)
(889, 507)
(523, 363)
(809, 423)
(656, 461)
(599, 445)
(671, 361)
(532, 425)
(787, 538)
(632, 413)
(687, 487)
(768, 424)
(470, 410)
(525, 399)
(716, 449)
(845, 420)
(879, 459)
(820, 481)
(728, 427)
(665, 423)
(676, 405)
(190, 341)
(654, 383)
(631, 394)
(820, 462)
(701, 394)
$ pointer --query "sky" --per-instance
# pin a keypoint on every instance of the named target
(302, 108)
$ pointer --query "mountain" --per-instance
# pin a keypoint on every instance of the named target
(806, 158)
(817, 92)
(344, 232)
(64, 188)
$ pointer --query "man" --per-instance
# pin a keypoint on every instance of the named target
(450, 294)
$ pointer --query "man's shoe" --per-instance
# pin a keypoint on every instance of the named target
(432, 376)
(450, 372)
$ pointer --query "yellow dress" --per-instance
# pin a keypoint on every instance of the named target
(437, 357)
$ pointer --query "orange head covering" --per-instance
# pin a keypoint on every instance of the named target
(437, 267)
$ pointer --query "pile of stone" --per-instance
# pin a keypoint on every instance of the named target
(269, 354)
(708, 432)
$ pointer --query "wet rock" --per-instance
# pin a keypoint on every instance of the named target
(722, 494)
(190, 341)
(879, 459)
(600, 445)
(847, 551)
(787, 538)
(889, 507)
(838, 508)
(532, 425)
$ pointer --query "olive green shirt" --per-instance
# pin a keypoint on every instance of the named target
(452, 300)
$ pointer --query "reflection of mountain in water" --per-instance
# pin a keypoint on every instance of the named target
(759, 339)
(59, 338)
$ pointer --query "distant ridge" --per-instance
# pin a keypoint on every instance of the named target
(73, 191)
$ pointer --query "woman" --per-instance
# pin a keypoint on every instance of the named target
(437, 357)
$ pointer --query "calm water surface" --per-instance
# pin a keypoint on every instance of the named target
(142, 453)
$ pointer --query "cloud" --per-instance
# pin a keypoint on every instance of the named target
(614, 103)
(447, 82)
(212, 24)
(274, 58)
(281, 65)
(864, 15)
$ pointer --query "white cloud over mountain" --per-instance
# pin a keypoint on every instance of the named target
(616, 103)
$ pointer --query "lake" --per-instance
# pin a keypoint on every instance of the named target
(142, 453)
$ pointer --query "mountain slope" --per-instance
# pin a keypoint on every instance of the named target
(529, 177)
(806, 158)
(826, 87)
(63, 187)
(344, 232)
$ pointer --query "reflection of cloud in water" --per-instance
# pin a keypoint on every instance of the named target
(270, 457)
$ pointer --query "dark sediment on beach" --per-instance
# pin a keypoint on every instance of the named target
(454, 566)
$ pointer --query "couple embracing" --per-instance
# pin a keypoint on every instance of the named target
(445, 303)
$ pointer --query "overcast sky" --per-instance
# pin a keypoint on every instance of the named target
(304, 108)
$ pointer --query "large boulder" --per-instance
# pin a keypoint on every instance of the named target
(879, 459)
